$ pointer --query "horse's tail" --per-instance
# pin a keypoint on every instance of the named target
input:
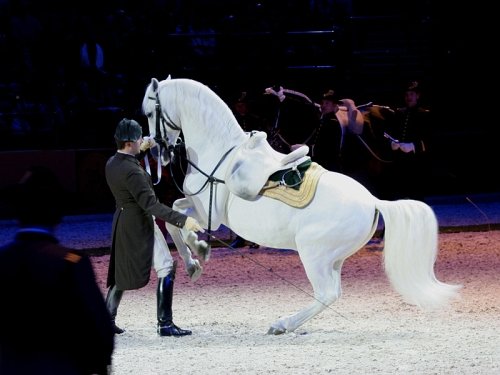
(410, 251)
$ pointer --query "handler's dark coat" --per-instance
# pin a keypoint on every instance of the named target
(133, 224)
(53, 318)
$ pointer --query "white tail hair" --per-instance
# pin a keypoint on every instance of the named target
(410, 252)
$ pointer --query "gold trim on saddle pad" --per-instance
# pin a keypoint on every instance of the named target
(296, 198)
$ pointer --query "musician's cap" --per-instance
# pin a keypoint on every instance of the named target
(413, 86)
(242, 97)
(331, 96)
(128, 131)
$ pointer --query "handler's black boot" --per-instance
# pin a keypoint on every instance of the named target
(164, 293)
(112, 302)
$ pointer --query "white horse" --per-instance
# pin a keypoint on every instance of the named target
(341, 218)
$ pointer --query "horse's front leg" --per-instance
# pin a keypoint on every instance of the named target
(185, 241)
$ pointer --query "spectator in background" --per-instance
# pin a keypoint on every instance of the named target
(409, 136)
(53, 318)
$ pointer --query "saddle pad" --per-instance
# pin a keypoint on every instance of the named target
(296, 198)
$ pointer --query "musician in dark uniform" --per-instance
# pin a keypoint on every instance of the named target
(53, 318)
(410, 131)
(328, 140)
(339, 119)
(134, 247)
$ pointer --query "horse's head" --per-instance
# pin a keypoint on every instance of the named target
(162, 127)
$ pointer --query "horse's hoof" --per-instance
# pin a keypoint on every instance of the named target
(204, 250)
(276, 331)
(194, 271)
(201, 248)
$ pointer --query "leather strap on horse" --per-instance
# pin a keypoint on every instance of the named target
(210, 179)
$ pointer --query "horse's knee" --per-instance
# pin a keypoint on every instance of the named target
(328, 297)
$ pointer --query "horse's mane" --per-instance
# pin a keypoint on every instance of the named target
(202, 102)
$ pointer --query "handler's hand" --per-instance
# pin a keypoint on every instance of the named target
(147, 143)
(192, 225)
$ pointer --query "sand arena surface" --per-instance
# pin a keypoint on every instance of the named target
(369, 330)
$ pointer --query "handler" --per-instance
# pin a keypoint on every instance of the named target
(137, 242)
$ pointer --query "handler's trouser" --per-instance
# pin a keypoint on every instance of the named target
(163, 263)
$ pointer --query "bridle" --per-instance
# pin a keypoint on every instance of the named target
(162, 121)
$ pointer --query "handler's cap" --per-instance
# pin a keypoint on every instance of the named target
(128, 131)
(331, 96)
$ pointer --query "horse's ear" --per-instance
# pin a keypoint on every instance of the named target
(154, 84)
(169, 77)
(256, 138)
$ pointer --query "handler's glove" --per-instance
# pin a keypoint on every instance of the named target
(147, 143)
(407, 147)
(192, 224)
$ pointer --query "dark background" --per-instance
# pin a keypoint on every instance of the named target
(55, 111)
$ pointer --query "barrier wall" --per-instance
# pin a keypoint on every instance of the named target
(81, 173)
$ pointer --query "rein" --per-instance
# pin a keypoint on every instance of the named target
(211, 179)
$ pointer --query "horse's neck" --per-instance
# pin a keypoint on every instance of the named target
(210, 151)
(210, 128)
(212, 135)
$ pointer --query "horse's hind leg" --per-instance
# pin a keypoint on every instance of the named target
(325, 280)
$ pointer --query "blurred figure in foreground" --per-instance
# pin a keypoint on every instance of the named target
(53, 318)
